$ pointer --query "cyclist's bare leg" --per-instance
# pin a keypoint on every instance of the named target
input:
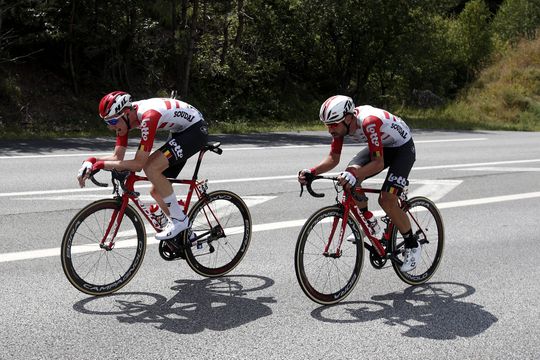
(159, 200)
(161, 187)
(359, 204)
(389, 203)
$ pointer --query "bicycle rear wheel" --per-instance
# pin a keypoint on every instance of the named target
(426, 222)
(92, 269)
(221, 224)
(328, 278)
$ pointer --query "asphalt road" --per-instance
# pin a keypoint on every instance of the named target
(482, 303)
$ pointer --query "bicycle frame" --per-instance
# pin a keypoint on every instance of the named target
(129, 193)
(350, 207)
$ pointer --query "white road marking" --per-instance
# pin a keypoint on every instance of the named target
(454, 166)
(146, 199)
(488, 200)
(42, 253)
(501, 169)
(265, 178)
(433, 189)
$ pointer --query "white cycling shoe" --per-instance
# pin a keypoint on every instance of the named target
(173, 228)
(411, 258)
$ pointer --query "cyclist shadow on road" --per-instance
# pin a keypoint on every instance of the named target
(217, 304)
(429, 311)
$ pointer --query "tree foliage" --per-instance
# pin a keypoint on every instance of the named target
(256, 59)
(516, 19)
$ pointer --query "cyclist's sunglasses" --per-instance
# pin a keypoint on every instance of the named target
(333, 125)
(113, 121)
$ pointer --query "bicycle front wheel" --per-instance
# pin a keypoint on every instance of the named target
(93, 269)
(426, 222)
(328, 277)
(221, 225)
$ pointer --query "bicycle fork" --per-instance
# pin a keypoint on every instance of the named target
(114, 225)
(337, 253)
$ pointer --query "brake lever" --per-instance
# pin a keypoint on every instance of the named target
(97, 183)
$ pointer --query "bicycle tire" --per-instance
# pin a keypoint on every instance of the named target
(427, 220)
(311, 264)
(91, 269)
(225, 213)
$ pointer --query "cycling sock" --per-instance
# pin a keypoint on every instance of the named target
(175, 211)
(410, 240)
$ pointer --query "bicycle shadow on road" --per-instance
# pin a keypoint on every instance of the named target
(216, 304)
(429, 311)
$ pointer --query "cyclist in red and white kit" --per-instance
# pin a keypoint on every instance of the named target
(188, 134)
(390, 145)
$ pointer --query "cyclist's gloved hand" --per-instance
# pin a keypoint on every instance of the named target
(347, 178)
(302, 175)
(85, 170)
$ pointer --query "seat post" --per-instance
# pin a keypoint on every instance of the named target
(199, 160)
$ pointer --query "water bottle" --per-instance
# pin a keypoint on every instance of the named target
(158, 215)
(373, 224)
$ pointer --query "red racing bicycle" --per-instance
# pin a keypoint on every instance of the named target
(104, 245)
(329, 250)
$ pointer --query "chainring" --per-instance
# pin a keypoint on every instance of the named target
(376, 261)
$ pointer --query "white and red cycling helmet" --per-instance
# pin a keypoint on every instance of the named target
(113, 104)
(334, 109)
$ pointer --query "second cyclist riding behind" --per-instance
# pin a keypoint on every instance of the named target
(389, 145)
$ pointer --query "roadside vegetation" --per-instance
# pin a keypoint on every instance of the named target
(260, 66)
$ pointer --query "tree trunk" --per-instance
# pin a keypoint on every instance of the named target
(183, 14)
(71, 63)
(1, 14)
(174, 18)
(191, 48)
(225, 42)
(173, 53)
(241, 21)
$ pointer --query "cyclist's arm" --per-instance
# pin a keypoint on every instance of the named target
(118, 154)
(136, 164)
(327, 164)
(148, 127)
(148, 130)
(332, 160)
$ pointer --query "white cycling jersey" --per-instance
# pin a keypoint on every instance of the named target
(394, 131)
(161, 114)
